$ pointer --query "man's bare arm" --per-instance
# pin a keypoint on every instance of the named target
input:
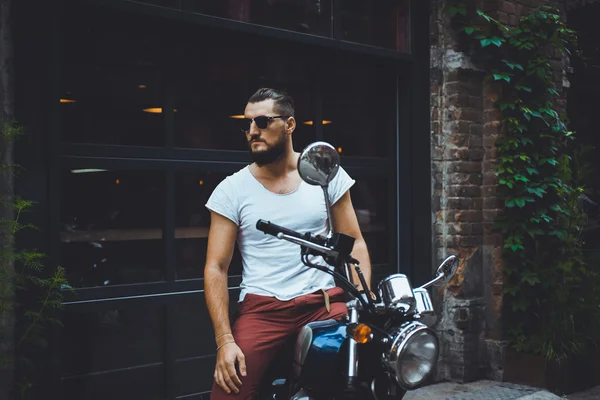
(221, 242)
(345, 221)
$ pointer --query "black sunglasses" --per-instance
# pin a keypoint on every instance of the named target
(261, 122)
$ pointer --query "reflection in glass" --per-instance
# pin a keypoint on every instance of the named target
(359, 101)
(111, 79)
(370, 201)
(193, 335)
(102, 340)
(112, 226)
(192, 220)
(212, 92)
(382, 23)
(304, 16)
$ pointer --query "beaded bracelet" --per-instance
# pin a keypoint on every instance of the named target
(231, 341)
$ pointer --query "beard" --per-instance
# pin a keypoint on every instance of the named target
(272, 154)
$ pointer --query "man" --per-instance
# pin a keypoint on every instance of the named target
(279, 294)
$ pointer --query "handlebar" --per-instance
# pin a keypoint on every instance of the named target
(334, 253)
(273, 229)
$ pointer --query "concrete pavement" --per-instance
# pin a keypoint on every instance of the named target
(492, 390)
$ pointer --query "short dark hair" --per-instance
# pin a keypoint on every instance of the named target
(284, 104)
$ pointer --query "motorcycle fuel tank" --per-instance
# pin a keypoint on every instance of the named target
(317, 354)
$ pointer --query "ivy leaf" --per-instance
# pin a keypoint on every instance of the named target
(525, 88)
(515, 247)
(497, 41)
(485, 42)
(521, 178)
(552, 91)
(498, 77)
(532, 171)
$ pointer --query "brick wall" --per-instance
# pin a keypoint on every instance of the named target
(464, 128)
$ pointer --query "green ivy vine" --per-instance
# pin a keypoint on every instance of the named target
(551, 294)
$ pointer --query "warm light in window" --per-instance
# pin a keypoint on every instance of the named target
(142, 86)
(67, 101)
(201, 182)
(339, 149)
(324, 122)
(117, 181)
(155, 110)
(236, 116)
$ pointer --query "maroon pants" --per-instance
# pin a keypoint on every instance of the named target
(264, 326)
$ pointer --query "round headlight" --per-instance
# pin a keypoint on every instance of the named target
(412, 355)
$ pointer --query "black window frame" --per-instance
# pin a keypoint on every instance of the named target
(410, 169)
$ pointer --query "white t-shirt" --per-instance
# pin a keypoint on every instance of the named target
(273, 267)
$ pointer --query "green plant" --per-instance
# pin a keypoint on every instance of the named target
(550, 292)
(22, 270)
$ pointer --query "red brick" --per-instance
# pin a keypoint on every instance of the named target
(491, 154)
(490, 215)
(508, 7)
(488, 190)
(467, 216)
(460, 203)
(456, 154)
(488, 166)
(469, 241)
(464, 166)
(476, 154)
(489, 178)
(492, 203)
(466, 114)
(463, 191)
(489, 139)
(504, 18)
(458, 139)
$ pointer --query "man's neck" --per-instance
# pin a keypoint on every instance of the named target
(280, 167)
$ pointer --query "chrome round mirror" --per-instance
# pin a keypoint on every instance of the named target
(447, 269)
(318, 164)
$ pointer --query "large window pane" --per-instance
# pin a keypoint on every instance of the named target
(112, 338)
(212, 91)
(359, 109)
(112, 226)
(192, 220)
(370, 201)
(382, 23)
(111, 79)
(305, 16)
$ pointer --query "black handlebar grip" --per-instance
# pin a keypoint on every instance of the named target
(274, 229)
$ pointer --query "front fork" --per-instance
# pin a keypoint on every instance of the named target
(353, 307)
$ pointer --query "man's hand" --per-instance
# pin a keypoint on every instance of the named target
(225, 374)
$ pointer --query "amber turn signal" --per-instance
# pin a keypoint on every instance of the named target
(362, 333)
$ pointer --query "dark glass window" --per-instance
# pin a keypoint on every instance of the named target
(101, 340)
(112, 226)
(211, 92)
(382, 23)
(192, 220)
(304, 16)
(112, 83)
(370, 200)
(359, 108)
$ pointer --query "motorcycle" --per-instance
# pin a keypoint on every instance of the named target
(381, 349)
